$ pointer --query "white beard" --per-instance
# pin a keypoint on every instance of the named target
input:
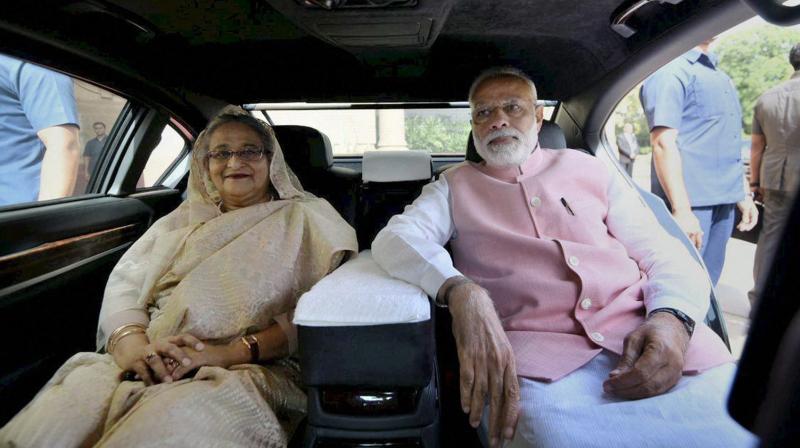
(507, 155)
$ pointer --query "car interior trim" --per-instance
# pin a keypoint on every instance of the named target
(31, 263)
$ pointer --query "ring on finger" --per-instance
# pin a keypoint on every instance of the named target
(149, 357)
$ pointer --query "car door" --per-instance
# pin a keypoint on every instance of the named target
(56, 255)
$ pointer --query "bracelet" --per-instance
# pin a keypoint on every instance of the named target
(251, 342)
(121, 332)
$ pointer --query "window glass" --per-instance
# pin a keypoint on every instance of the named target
(52, 132)
(170, 147)
(353, 131)
(713, 115)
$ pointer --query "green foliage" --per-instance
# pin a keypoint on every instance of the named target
(756, 59)
(436, 134)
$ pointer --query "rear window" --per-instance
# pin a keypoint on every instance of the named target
(354, 129)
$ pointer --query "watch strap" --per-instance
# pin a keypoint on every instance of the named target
(687, 321)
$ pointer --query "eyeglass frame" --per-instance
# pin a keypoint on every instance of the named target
(220, 157)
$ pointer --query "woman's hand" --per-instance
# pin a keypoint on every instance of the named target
(222, 355)
(135, 353)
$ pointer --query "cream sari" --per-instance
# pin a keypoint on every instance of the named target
(217, 276)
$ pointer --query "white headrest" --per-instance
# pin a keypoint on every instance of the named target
(396, 166)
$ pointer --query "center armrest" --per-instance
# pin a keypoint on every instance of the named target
(361, 293)
(360, 327)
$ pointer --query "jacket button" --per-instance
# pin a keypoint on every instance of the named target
(536, 201)
(586, 303)
(573, 260)
(597, 337)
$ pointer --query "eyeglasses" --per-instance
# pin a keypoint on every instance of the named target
(246, 155)
(513, 108)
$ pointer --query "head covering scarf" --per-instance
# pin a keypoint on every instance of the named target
(203, 194)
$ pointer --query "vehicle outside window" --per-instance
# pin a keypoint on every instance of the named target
(355, 128)
(53, 131)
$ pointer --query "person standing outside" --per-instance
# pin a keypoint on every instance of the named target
(628, 148)
(93, 148)
(39, 151)
(775, 162)
(695, 120)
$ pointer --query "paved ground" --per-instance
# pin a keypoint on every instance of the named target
(736, 278)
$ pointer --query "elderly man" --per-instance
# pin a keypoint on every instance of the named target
(568, 299)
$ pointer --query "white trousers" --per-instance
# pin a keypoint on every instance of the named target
(575, 412)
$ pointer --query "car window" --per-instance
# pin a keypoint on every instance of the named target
(747, 61)
(53, 131)
(171, 146)
(353, 131)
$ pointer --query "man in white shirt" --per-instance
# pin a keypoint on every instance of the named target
(562, 277)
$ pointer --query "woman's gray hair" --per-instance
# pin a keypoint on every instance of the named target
(235, 114)
(501, 72)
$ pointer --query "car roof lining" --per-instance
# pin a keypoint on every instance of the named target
(244, 49)
(191, 57)
(595, 105)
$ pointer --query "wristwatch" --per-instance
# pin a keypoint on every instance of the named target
(687, 321)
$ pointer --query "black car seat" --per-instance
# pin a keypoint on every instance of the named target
(391, 180)
(309, 154)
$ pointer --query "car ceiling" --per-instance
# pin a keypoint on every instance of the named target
(246, 51)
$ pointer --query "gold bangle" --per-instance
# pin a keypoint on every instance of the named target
(121, 332)
(251, 342)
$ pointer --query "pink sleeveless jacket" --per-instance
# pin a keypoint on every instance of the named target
(564, 288)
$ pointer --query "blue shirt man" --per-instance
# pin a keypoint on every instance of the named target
(695, 120)
(34, 100)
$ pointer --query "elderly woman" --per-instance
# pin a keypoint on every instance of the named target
(196, 315)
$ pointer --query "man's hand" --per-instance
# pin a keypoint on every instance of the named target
(486, 360)
(652, 359)
(688, 222)
(749, 214)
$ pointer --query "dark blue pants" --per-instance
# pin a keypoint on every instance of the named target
(717, 224)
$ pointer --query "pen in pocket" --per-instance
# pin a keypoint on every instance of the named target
(566, 206)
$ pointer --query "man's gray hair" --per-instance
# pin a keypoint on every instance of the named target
(501, 72)
(794, 56)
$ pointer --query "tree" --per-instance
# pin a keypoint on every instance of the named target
(756, 59)
(436, 134)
